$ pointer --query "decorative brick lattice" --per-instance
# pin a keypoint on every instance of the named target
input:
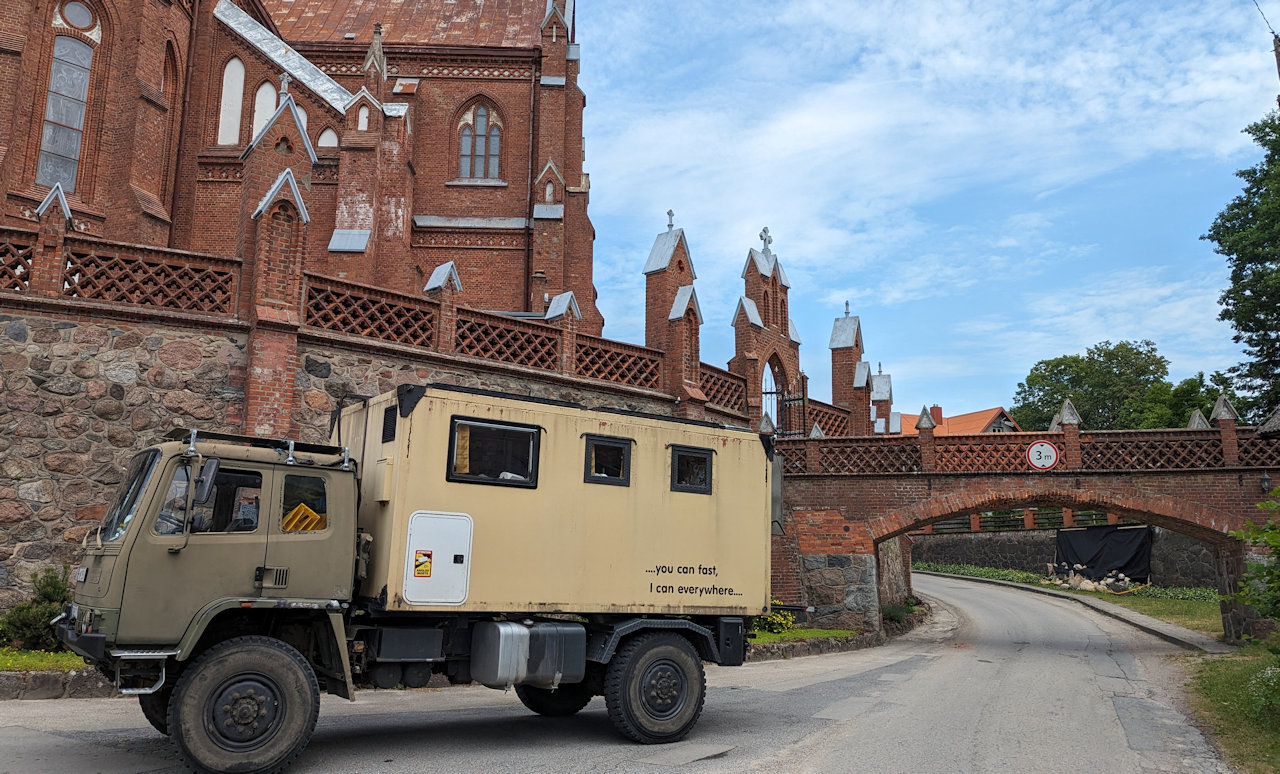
(15, 259)
(987, 452)
(144, 276)
(723, 388)
(1259, 452)
(499, 338)
(614, 362)
(868, 455)
(1153, 450)
(833, 421)
(362, 311)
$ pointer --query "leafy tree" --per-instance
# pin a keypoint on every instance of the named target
(1114, 387)
(1247, 233)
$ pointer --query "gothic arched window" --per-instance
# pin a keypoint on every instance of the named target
(480, 143)
(67, 97)
(231, 106)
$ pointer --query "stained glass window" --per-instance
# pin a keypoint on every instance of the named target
(64, 113)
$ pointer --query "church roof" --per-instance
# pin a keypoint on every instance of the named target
(482, 23)
(765, 262)
(664, 249)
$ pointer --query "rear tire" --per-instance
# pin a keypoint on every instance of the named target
(248, 704)
(655, 687)
(155, 708)
(562, 702)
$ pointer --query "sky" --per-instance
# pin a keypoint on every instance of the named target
(987, 184)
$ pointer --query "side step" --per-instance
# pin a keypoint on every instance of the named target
(123, 656)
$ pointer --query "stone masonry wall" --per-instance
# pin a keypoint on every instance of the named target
(79, 398)
(1176, 560)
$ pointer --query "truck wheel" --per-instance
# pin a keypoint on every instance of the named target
(155, 708)
(654, 688)
(248, 704)
(562, 702)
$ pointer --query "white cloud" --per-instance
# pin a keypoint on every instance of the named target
(918, 160)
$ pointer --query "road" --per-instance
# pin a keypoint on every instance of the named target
(999, 681)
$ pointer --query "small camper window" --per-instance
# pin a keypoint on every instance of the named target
(608, 460)
(690, 469)
(489, 453)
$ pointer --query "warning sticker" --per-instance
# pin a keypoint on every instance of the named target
(422, 564)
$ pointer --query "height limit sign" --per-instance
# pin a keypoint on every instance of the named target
(1042, 455)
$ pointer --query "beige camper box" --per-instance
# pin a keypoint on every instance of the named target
(495, 503)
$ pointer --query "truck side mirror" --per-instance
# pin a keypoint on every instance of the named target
(204, 484)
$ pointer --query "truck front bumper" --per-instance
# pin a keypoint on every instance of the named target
(92, 646)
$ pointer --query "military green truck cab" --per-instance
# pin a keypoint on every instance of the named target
(519, 543)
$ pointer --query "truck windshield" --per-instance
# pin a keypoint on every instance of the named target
(125, 503)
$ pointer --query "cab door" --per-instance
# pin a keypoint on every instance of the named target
(310, 535)
(175, 570)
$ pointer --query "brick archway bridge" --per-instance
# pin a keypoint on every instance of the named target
(850, 502)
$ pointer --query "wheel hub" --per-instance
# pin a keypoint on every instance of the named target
(664, 689)
(243, 713)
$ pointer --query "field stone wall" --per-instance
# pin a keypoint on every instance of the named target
(1176, 560)
(79, 397)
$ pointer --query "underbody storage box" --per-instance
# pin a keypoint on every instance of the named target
(505, 653)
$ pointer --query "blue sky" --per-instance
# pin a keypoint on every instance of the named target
(987, 183)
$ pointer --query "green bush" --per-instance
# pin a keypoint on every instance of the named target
(896, 612)
(1260, 587)
(27, 625)
(777, 622)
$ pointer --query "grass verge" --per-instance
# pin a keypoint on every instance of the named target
(764, 638)
(1226, 698)
(38, 661)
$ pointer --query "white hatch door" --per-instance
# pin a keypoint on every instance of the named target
(439, 561)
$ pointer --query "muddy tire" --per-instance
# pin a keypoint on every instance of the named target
(155, 708)
(654, 688)
(562, 702)
(248, 705)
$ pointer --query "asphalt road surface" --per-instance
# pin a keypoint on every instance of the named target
(1000, 681)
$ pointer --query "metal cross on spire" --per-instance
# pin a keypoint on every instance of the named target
(764, 237)
(671, 219)
(846, 308)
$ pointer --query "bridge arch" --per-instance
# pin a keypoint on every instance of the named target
(1177, 514)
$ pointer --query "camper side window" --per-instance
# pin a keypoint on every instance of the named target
(690, 469)
(489, 453)
(608, 460)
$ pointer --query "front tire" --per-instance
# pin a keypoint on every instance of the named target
(155, 708)
(247, 705)
(655, 687)
(562, 702)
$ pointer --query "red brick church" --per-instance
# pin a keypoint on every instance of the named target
(403, 135)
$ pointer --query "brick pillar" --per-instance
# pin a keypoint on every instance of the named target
(928, 449)
(1028, 518)
(442, 288)
(47, 259)
(569, 344)
(975, 522)
(1224, 417)
(273, 340)
(1068, 518)
(1113, 518)
(1071, 457)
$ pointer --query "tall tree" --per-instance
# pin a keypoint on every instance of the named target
(1247, 233)
(1114, 387)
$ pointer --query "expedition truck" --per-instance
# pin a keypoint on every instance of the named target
(516, 542)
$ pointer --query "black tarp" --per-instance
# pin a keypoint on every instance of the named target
(1107, 548)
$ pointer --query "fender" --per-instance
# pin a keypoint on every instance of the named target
(601, 645)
